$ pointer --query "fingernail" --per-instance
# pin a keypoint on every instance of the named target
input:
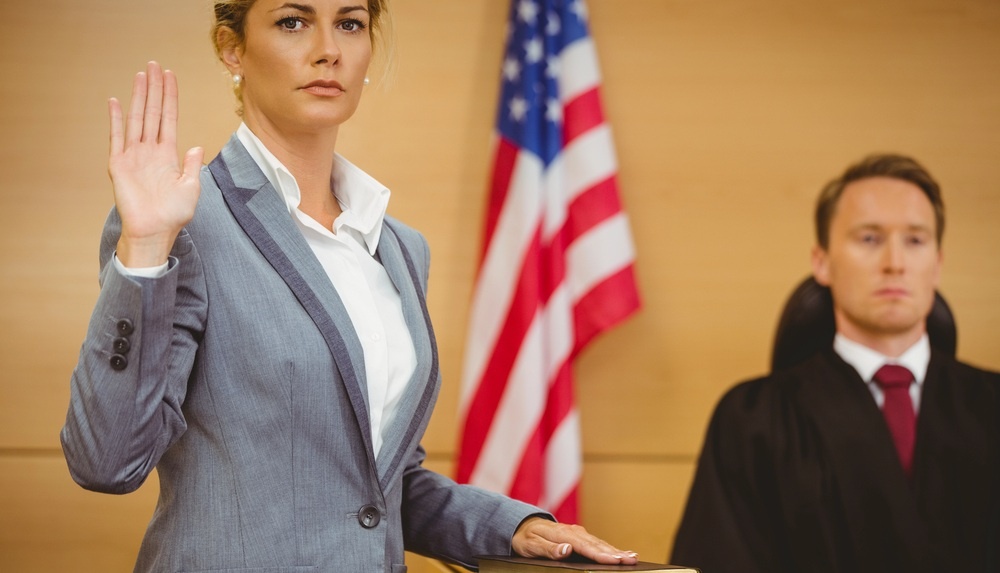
(631, 554)
(565, 548)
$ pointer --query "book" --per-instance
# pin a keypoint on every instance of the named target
(505, 564)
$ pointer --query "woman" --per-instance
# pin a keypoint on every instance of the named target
(261, 337)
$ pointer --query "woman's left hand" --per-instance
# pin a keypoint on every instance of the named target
(540, 537)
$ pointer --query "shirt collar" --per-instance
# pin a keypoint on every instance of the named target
(362, 198)
(867, 361)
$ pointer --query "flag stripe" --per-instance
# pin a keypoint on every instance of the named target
(582, 114)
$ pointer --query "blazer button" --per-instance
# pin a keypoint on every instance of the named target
(368, 516)
(121, 345)
(124, 327)
(118, 362)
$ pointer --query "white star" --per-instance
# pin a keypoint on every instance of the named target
(533, 50)
(528, 11)
(552, 26)
(518, 108)
(552, 67)
(579, 9)
(553, 111)
(511, 69)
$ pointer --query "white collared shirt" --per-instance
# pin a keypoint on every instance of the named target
(867, 361)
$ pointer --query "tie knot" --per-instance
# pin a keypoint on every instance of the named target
(893, 376)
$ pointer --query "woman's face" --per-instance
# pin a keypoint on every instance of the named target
(303, 62)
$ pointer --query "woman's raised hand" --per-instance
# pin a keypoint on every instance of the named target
(155, 195)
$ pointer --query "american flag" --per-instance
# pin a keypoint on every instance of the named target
(557, 262)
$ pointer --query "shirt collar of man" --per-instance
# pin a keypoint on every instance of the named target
(866, 361)
(362, 199)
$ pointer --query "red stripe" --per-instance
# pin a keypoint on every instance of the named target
(581, 114)
(490, 389)
(607, 304)
(591, 207)
(503, 169)
(530, 476)
(567, 511)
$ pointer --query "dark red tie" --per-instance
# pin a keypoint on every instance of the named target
(897, 409)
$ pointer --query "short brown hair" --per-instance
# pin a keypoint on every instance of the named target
(877, 165)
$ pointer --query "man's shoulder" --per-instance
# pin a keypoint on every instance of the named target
(790, 378)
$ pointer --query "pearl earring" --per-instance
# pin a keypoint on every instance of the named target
(366, 81)
(237, 79)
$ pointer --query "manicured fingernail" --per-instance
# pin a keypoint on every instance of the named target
(565, 548)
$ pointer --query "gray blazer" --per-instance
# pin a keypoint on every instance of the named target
(239, 377)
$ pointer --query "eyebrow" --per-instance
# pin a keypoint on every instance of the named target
(308, 9)
(879, 227)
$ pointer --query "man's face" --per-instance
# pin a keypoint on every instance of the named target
(882, 261)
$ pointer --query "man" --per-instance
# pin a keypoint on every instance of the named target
(837, 464)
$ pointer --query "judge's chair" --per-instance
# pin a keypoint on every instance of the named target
(806, 325)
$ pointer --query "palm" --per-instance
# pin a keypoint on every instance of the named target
(155, 194)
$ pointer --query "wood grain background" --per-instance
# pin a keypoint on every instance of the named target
(728, 115)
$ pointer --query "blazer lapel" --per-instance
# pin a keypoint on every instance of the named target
(258, 209)
(412, 417)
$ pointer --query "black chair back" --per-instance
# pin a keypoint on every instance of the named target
(806, 325)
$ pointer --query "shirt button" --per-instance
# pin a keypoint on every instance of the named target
(124, 327)
(369, 516)
(376, 337)
(118, 362)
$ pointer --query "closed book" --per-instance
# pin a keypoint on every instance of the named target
(504, 564)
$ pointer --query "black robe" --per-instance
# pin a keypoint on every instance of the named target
(799, 474)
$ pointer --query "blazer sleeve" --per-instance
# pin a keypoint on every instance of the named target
(443, 519)
(131, 376)
(453, 522)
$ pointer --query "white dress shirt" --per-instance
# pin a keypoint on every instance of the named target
(867, 361)
(346, 253)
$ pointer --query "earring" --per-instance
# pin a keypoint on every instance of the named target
(367, 81)
(237, 79)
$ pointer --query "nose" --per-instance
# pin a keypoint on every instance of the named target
(894, 255)
(327, 50)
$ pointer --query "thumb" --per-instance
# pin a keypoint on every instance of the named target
(192, 162)
(557, 551)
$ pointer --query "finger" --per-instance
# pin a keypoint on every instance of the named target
(117, 134)
(154, 102)
(168, 122)
(133, 125)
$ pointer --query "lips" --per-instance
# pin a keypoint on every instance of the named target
(326, 88)
(892, 292)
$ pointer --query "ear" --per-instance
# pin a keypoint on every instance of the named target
(230, 49)
(821, 265)
(937, 268)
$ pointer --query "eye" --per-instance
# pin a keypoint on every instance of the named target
(916, 240)
(352, 25)
(291, 23)
(870, 238)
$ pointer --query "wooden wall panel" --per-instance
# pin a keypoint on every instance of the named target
(728, 117)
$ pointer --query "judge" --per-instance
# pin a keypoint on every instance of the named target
(879, 454)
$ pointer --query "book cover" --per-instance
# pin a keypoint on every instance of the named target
(505, 564)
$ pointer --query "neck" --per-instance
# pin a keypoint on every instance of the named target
(890, 344)
(308, 155)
